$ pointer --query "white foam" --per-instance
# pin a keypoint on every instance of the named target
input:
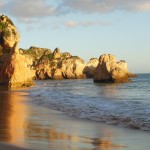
(76, 98)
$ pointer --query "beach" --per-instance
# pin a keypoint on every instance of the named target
(27, 125)
(4, 146)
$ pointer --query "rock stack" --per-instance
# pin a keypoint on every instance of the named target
(111, 71)
(14, 70)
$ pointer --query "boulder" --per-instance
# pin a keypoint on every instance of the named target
(14, 69)
(109, 70)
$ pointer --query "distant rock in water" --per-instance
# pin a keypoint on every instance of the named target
(14, 70)
(109, 70)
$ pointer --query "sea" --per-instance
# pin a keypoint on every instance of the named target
(126, 105)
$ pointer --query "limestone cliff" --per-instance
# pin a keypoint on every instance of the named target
(14, 70)
(9, 36)
(57, 65)
(109, 70)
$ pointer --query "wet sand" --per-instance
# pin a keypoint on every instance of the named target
(4, 146)
(27, 125)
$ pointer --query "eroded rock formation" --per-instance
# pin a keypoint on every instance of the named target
(14, 70)
(57, 65)
(18, 67)
(109, 70)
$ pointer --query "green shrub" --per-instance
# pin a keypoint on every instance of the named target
(51, 56)
(6, 33)
(52, 64)
(3, 26)
(59, 64)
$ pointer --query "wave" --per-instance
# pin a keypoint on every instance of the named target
(92, 108)
(125, 105)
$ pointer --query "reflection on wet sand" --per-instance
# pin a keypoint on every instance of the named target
(37, 132)
(12, 118)
(25, 125)
(5, 112)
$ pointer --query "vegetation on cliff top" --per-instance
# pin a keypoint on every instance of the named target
(4, 23)
(36, 52)
(9, 36)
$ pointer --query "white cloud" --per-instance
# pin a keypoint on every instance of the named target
(104, 6)
(30, 8)
(145, 6)
(2, 6)
(25, 9)
(30, 11)
(44, 8)
(72, 24)
(28, 20)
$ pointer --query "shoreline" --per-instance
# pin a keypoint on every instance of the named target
(6, 146)
(40, 128)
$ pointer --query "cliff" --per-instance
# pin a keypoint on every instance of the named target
(14, 70)
(57, 65)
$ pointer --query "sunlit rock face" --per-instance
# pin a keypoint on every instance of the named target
(58, 65)
(14, 70)
(72, 68)
(56, 53)
(9, 37)
(109, 70)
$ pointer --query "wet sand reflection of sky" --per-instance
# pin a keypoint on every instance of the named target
(21, 125)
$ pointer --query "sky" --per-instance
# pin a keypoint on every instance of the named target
(86, 28)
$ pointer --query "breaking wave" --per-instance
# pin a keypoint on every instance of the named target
(125, 105)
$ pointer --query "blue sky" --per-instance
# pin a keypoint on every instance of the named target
(87, 28)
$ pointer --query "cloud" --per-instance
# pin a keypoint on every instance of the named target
(2, 3)
(28, 8)
(28, 20)
(105, 6)
(143, 6)
(30, 11)
(72, 24)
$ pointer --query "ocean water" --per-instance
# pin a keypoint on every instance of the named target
(126, 105)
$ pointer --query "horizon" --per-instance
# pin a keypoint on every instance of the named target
(99, 27)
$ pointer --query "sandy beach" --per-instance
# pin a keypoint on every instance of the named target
(26, 125)
(4, 146)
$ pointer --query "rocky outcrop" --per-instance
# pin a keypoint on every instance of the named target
(56, 53)
(15, 73)
(14, 69)
(9, 36)
(18, 67)
(72, 68)
(89, 69)
(57, 65)
(109, 70)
